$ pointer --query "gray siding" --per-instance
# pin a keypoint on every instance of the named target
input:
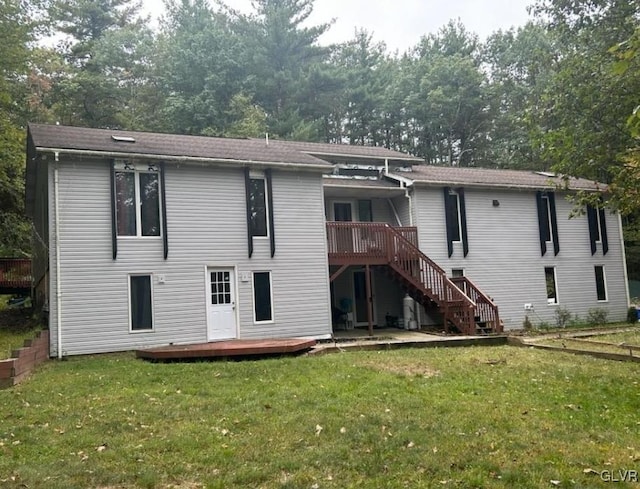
(206, 218)
(504, 257)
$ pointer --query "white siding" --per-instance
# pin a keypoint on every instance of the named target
(504, 257)
(206, 217)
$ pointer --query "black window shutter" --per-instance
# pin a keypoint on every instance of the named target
(603, 232)
(463, 221)
(163, 211)
(542, 222)
(554, 222)
(247, 188)
(593, 227)
(114, 236)
(272, 232)
(449, 218)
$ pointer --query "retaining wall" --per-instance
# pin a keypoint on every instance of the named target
(24, 360)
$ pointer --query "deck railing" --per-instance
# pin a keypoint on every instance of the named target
(15, 273)
(379, 243)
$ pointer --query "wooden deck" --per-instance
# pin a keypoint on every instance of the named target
(15, 276)
(230, 348)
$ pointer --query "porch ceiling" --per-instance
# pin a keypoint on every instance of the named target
(348, 187)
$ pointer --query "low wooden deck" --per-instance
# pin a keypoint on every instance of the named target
(230, 348)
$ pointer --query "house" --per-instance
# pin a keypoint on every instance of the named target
(145, 239)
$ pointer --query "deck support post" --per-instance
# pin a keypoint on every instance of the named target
(369, 299)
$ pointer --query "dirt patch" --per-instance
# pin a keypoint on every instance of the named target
(406, 369)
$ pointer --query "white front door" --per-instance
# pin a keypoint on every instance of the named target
(221, 304)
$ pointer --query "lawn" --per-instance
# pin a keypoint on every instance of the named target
(607, 343)
(486, 417)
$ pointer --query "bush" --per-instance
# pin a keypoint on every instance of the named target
(597, 316)
(563, 316)
(632, 315)
(526, 324)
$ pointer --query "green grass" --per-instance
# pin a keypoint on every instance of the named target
(498, 417)
(630, 337)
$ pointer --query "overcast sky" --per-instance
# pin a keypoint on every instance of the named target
(401, 23)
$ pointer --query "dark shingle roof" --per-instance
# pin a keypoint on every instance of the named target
(177, 145)
(347, 150)
(485, 177)
(148, 143)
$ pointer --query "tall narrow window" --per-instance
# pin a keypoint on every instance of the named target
(140, 303)
(597, 229)
(547, 221)
(262, 309)
(137, 202)
(551, 284)
(456, 219)
(601, 283)
(258, 207)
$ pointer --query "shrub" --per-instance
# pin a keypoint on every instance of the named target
(563, 316)
(597, 315)
(526, 324)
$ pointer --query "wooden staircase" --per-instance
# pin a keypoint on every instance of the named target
(463, 306)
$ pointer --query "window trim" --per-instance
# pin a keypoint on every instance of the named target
(131, 168)
(153, 309)
(253, 296)
(555, 286)
(604, 283)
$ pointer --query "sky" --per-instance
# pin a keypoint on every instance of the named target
(400, 23)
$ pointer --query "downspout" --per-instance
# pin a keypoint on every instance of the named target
(56, 199)
(624, 259)
(410, 201)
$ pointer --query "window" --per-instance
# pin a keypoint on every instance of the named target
(601, 283)
(137, 201)
(364, 211)
(597, 229)
(547, 221)
(551, 284)
(259, 202)
(456, 219)
(140, 303)
(262, 309)
(258, 207)
(454, 203)
(457, 272)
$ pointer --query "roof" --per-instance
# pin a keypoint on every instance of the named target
(485, 177)
(172, 145)
(83, 139)
(348, 150)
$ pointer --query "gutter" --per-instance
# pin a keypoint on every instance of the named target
(500, 185)
(325, 168)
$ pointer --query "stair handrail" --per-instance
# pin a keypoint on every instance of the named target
(432, 278)
(480, 298)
